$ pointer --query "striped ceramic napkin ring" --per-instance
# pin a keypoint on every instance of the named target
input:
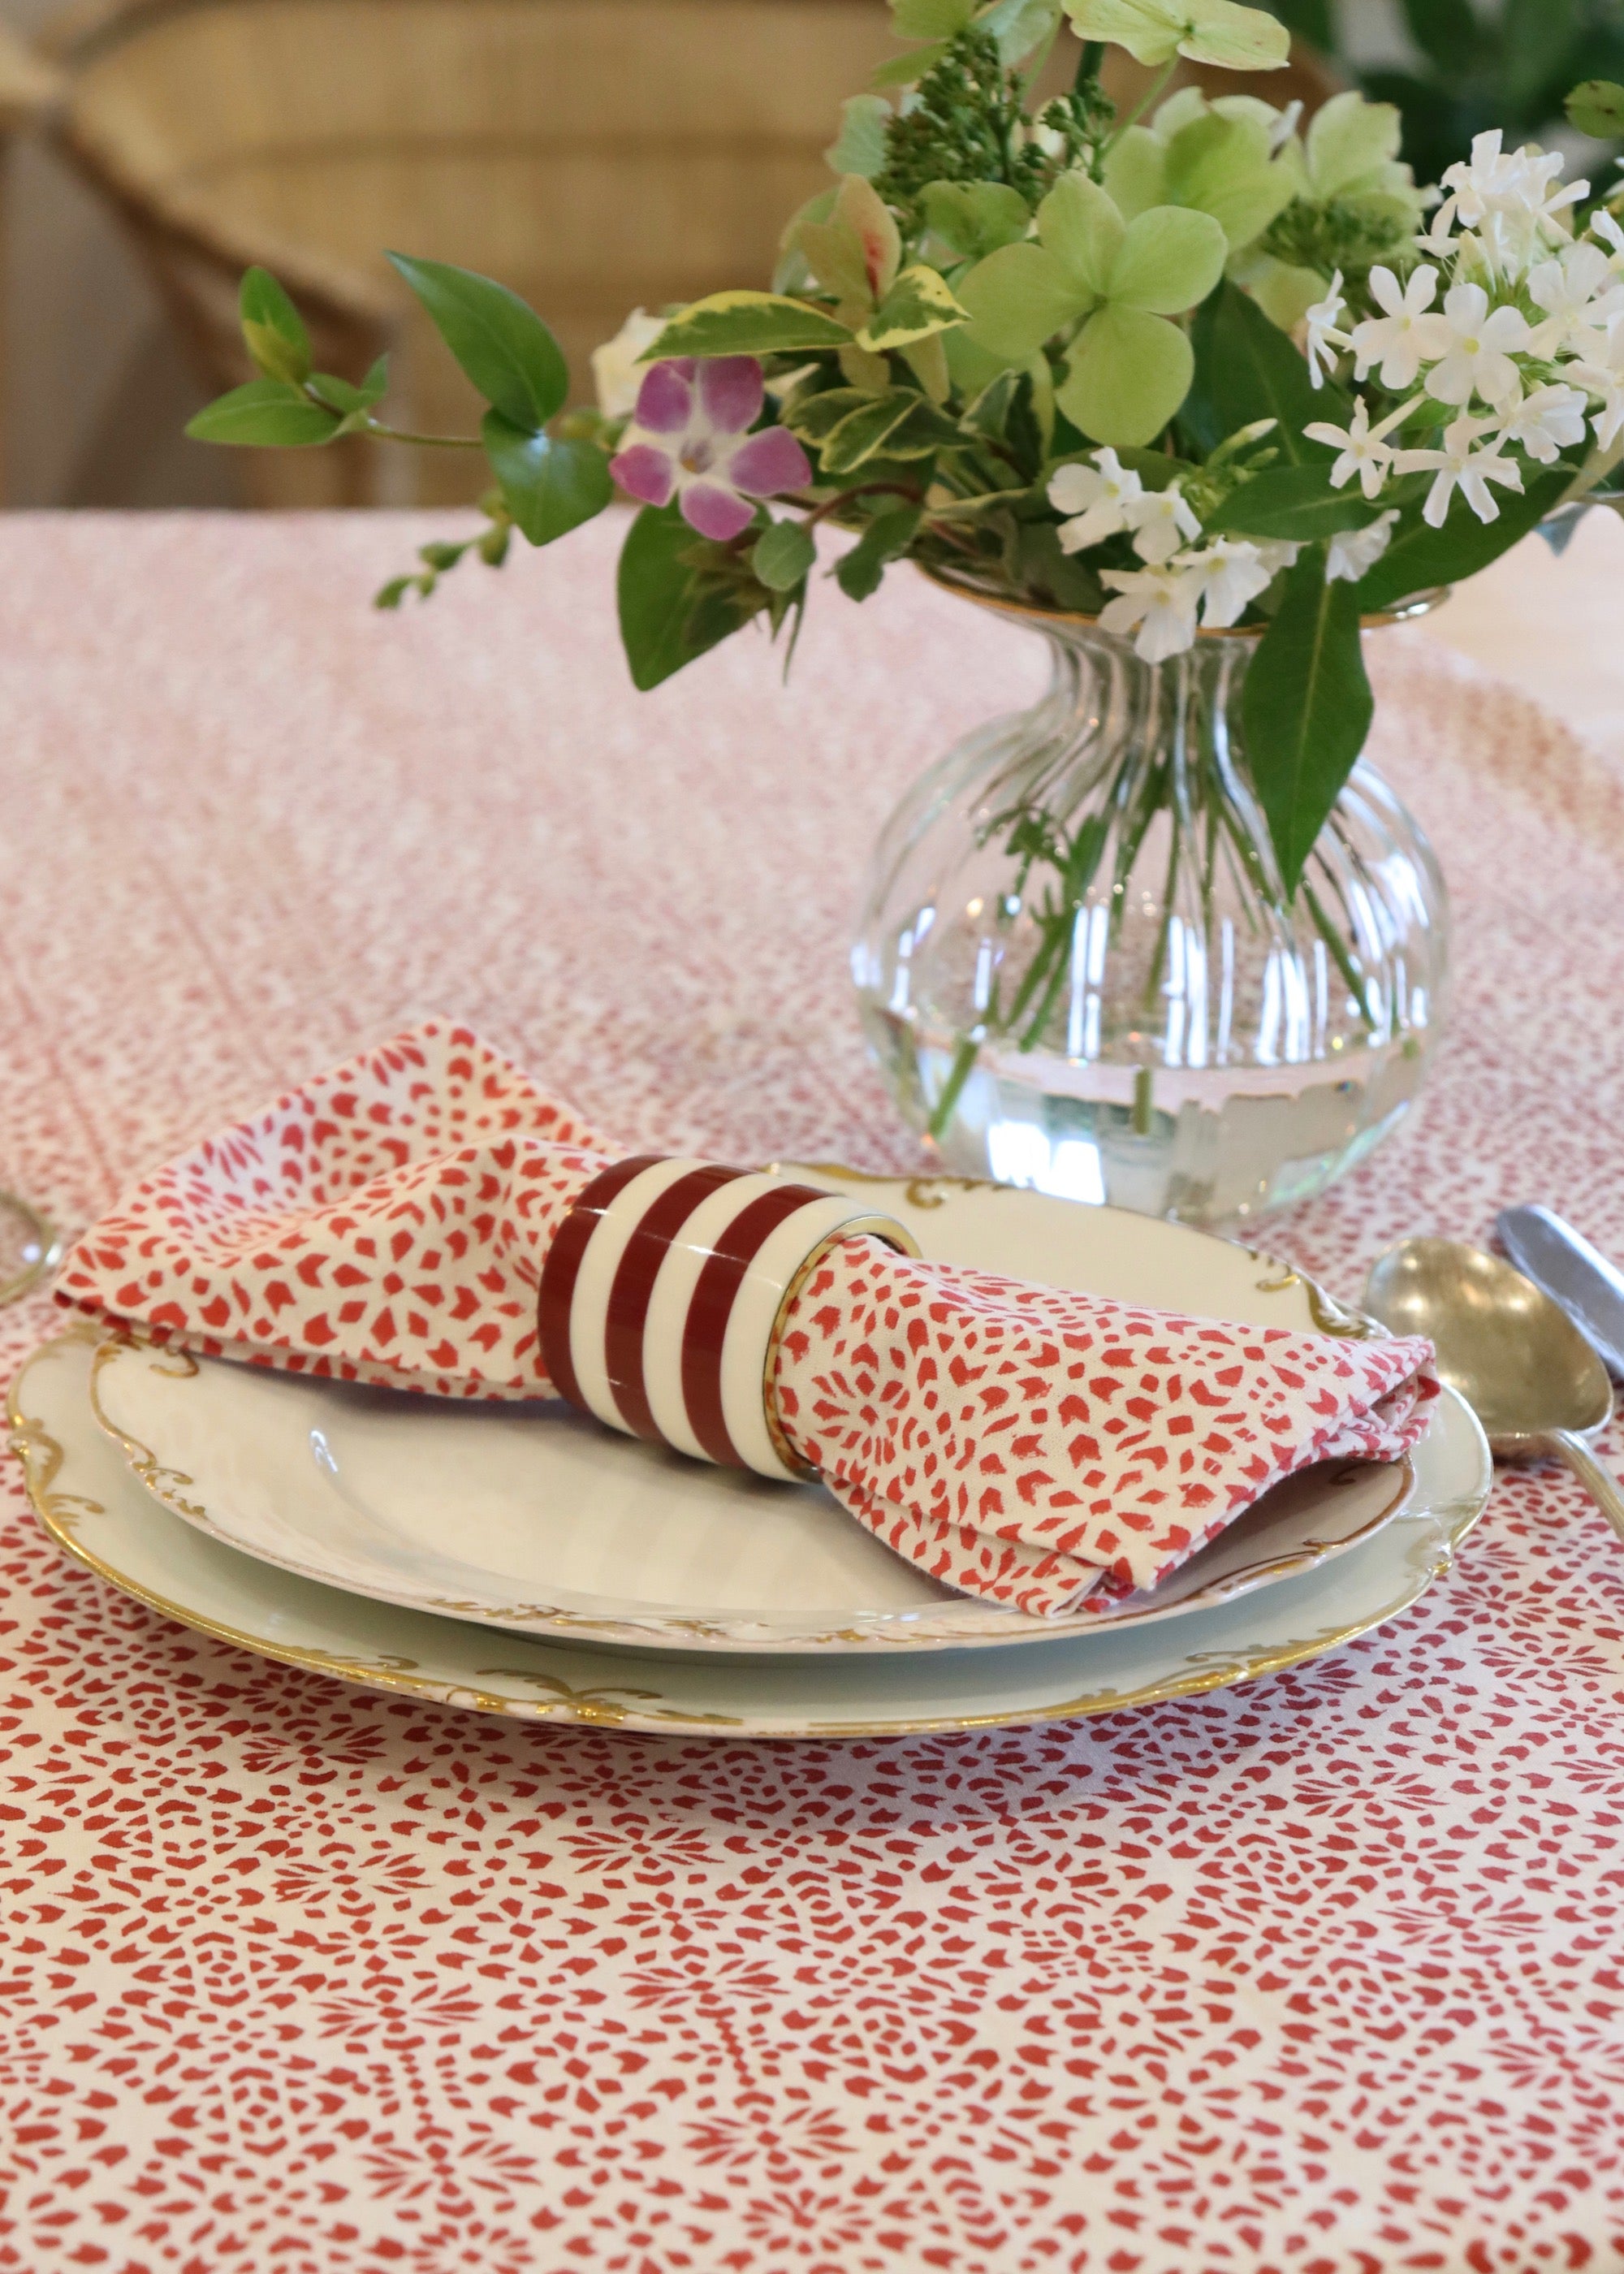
(662, 1295)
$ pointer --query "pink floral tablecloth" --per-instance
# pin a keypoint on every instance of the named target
(1320, 1976)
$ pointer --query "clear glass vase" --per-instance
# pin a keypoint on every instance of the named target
(1077, 969)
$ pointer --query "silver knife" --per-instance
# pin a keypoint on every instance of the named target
(1562, 1264)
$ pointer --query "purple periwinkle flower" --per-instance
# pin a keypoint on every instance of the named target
(690, 439)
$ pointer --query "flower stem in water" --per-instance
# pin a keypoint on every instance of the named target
(958, 1073)
(1339, 956)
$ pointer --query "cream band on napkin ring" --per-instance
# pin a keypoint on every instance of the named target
(661, 1298)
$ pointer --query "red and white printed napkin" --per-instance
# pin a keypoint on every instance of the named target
(387, 1224)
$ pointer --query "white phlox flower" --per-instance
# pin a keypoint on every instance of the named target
(1159, 603)
(1511, 199)
(1162, 521)
(1481, 341)
(1321, 336)
(1457, 465)
(1607, 228)
(1435, 240)
(1602, 372)
(1489, 177)
(1099, 496)
(1407, 336)
(1364, 449)
(1233, 570)
(1547, 421)
(1351, 552)
(1540, 200)
(1580, 293)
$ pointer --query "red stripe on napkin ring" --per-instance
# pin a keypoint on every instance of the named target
(663, 1293)
(563, 1262)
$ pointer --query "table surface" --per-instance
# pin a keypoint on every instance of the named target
(1320, 1973)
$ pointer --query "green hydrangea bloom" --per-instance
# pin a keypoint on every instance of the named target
(1218, 159)
(1207, 30)
(1121, 279)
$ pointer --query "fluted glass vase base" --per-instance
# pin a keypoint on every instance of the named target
(1079, 970)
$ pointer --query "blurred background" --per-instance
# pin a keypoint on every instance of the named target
(595, 155)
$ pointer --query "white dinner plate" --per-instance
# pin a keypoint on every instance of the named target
(535, 1519)
(89, 1502)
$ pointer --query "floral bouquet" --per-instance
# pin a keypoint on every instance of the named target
(1201, 368)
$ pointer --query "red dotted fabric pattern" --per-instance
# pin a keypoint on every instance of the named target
(386, 1223)
(1317, 1975)
(1017, 1442)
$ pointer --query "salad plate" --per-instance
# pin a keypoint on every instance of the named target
(534, 1519)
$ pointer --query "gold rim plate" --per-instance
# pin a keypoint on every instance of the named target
(90, 1503)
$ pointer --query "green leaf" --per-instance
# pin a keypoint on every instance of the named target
(747, 323)
(877, 425)
(1596, 108)
(273, 328)
(1247, 369)
(988, 413)
(783, 555)
(338, 395)
(887, 538)
(267, 414)
(1306, 708)
(918, 304)
(501, 344)
(363, 400)
(1420, 557)
(1064, 579)
(859, 145)
(548, 485)
(812, 417)
(1296, 502)
(667, 618)
(1126, 376)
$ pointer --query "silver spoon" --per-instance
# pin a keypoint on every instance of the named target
(1518, 1361)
